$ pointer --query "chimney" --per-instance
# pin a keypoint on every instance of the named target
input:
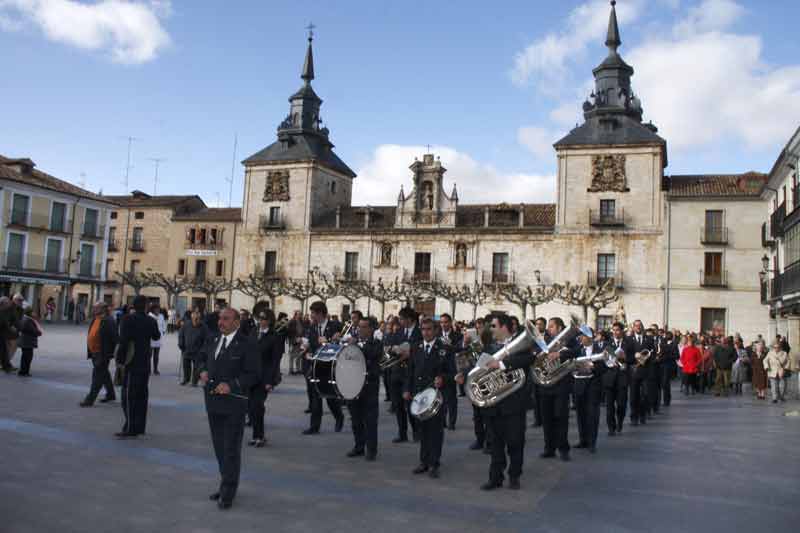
(486, 217)
(338, 216)
(22, 165)
(521, 215)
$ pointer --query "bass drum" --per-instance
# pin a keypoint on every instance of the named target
(339, 371)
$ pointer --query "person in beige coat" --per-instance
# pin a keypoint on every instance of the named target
(776, 363)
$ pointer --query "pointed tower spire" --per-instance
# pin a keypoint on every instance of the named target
(308, 66)
(454, 194)
(612, 38)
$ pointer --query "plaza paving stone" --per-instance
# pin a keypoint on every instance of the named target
(708, 464)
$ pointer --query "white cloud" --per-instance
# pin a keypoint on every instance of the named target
(547, 60)
(710, 15)
(379, 178)
(538, 140)
(130, 31)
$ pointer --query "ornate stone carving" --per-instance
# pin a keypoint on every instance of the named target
(386, 254)
(277, 189)
(608, 173)
(461, 255)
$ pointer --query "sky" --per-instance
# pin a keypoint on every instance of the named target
(490, 87)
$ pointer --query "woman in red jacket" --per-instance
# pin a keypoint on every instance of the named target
(691, 359)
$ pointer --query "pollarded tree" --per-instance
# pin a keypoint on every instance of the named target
(137, 280)
(174, 286)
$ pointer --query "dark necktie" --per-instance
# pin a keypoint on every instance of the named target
(222, 348)
(427, 349)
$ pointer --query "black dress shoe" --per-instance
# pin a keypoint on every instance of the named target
(547, 455)
(582, 445)
(612, 433)
(355, 453)
(339, 424)
(260, 443)
(86, 403)
(513, 483)
(491, 485)
(476, 445)
(156, 373)
(420, 469)
(310, 431)
(214, 496)
(371, 456)
(224, 505)
(593, 449)
(536, 425)
(434, 473)
(565, 456)
(183, 383)
(252, 442)
(307, 411)
(387, 399)
(125, 435)
(107, 399)
(619, 429)
(399, 439)
(451, 427)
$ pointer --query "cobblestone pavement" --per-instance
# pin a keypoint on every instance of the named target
(708, 464)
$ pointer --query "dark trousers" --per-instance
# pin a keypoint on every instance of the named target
(190, 370)
(431, 434)
(309, 390)
(402, 410)
(5, 360)
(155, 352)
(653, 395)
(508, 435)
(364, 416)
(101, 378)
(481, 430)
(537, 406)
(25, 361)
(616, 406)
(587, 408)
(666, 385)
(555, 420)
(227, 431)
(134, 401)
(387, 375)
(638, 399)
(256, 408)
(450, 394)
(316, 408)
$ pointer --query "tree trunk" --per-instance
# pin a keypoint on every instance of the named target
(453, 309)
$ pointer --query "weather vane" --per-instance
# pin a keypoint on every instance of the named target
(310, 29)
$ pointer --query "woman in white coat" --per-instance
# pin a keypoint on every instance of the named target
(155, 313)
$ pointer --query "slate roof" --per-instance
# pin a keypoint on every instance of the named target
(140, 199)
(213, 214)
(37, 178)
(747, 185)
(628, 131)
(306, 147)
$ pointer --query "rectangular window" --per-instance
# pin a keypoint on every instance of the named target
(606, 267)
(181, 267)
(712, 320)
(270, 262)
(220, 268)
(212, 239)
(607, 209)
(87, 260)
(713, 264)
(500, 268)
(138, 215)
(113, 215)
(134, 266)
(202, 236)
(422, 266)
(137, 239)
(19, 209)
(52, 261)
(112, 234)
(791, 245)
(274, 216)
(200, 269)
(58, 217)
(350, 265)
(713, 218)
(16, 250)
(192, 235)
(90, 226)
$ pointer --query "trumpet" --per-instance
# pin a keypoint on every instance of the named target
(394, 355)
(642, 357)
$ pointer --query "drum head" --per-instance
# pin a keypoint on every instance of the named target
(351, 370)
(422, 401)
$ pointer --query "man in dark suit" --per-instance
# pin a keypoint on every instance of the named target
(554, 402)
(100, 342)
(321, 331)
(429, 366)
(136, 332)
(615, 380)
(638, 374)
(364, 408)
(506, 420)
(453, 340)
(653, 379)
(587, 386)
(669, 362)
(270, 348)
(409, 333)
(541, 327)
(230, 366)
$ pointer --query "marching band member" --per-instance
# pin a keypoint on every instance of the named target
(364, 408)
(410, 333)
(318, 333)
(270, 348)
(653, 380)
(507, 418)
(541, 326)
(352, 331)
(639, 373)
(428, 366)
(615, 381)
(587, 388)
(554, 403)
(453, 340)
(482, 437)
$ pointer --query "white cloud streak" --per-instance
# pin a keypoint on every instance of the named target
(380, 177)
(129, 31)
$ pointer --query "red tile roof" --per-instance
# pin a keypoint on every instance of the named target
(747, 185)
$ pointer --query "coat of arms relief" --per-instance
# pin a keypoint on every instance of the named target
(277, 188)
(608, 173)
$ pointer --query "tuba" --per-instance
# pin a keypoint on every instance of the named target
(485, 387)
(548, 372)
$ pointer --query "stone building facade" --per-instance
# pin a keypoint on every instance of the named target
(617, 217)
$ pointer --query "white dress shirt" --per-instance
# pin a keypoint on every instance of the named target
(227, 339)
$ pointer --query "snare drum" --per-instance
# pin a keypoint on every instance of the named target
(426, 404)
(339, 371)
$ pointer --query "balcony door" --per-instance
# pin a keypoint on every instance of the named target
(200, 269)
(350, 265)
(500, 268)
(90, 222)
(606, 267)
(16, 250)
(422, 266)
(52, 262)
(714, 226)
(87, 259)
(713, 270)
(58, 217)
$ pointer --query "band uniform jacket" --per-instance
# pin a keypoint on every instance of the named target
(635, 346)
(108, 336)
(614, 376)
(400, 372)
(373, 353)
(312, 334)
(424, 368)
(238, 365)
(139, 329)
(582, 385)
(517, 402)
(270, 348)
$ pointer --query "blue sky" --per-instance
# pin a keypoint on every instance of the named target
(490, 87)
